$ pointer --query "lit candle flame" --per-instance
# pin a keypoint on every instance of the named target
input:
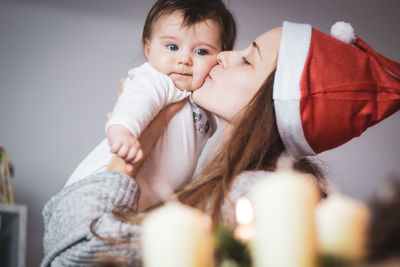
(244, 211)
(244, 218)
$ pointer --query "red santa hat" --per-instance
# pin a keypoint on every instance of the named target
(328, 90)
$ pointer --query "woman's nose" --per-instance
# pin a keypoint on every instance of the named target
(226, 58)
(221, 58)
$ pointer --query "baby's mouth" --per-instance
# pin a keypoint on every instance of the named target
(182, 74)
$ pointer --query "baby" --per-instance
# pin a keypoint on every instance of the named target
(181, 39)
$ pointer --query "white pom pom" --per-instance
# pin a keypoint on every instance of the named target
(343, 31)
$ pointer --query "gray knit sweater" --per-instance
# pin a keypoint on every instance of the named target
(67, 216)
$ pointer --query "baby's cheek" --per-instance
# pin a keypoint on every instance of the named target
(202, 71)
(196, 83)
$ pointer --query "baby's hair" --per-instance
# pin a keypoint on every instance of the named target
(194, 11)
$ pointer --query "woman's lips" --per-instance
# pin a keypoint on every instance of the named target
(210, 74)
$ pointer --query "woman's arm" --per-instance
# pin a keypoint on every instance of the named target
(68, 216)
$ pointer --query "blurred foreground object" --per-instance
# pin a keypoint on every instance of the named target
(384, 235)
(285, 235)
(229, 250)
(6, 195)
(176, 235)
(342, 227)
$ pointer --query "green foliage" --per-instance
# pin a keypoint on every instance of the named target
(230, 252)
(334, 261)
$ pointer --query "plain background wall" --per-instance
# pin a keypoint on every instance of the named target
(60, 65)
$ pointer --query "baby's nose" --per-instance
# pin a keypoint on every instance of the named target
(185, 59)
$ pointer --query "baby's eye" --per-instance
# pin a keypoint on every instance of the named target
(201, 52)
(172, 47)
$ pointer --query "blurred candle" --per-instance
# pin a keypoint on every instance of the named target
(342, 225)
(244, 218)
(285, 234)
(176, 235)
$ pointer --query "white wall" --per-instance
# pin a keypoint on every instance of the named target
(60, 64)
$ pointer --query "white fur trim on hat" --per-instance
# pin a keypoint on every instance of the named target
(293, 51)
(343, 31)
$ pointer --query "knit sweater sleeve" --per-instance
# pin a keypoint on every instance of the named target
(67, 216)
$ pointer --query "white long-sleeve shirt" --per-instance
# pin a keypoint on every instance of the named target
(146, 91)
(172, 161)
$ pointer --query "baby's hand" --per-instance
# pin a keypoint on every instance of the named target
(124, 145)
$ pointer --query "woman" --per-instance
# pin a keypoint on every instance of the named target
(266, 105)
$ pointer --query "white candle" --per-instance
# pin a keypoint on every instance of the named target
(285, 234)
(176, 235)
(244, 218)
(342, 225)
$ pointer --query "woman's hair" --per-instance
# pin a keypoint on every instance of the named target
(254, 144)
(194, 11)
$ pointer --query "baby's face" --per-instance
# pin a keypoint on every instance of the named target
(184, 53)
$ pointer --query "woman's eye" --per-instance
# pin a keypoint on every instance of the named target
(172, 47)
(201, 52)
(245, 61)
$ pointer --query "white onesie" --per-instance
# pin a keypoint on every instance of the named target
(173, 159)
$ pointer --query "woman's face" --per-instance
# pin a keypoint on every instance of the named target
(238, 76)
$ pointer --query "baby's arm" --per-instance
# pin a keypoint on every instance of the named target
(147, 139)
(124, 144)
(145, 93)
